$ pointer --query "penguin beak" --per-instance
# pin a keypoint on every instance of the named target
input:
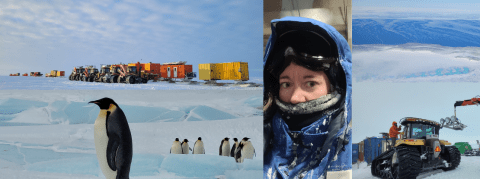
(96, 102)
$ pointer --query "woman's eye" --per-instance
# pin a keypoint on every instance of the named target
(311, 84)
(285, 85)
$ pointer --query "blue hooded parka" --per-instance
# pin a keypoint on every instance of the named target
(323, 148)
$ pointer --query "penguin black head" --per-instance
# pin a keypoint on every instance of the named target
(235, 139)
(199, 138)
(226, 138)
(176, 139)
(185, 140)
(245, 138)
(104, 103)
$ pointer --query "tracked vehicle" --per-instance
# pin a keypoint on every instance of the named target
(142, 72)
(418, 149)
(104, 75)
(76, 73)
(117, 73)
(89, 74)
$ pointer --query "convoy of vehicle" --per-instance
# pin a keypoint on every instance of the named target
(138, 73)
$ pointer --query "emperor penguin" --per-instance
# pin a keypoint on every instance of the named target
(244, 150)
(224, 147)
(234, 147)
(198, 147)
(113, 140)
(176, 147)
(185, 147)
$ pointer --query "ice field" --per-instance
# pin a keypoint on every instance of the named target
(468, 168)
(49, 133)
(62, 83)
(415, 63)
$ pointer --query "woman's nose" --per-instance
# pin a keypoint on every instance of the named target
(298, 96)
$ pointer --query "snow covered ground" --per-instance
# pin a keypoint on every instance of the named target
(49, 133)
(468, 168)
(43, 83)
(416, 63)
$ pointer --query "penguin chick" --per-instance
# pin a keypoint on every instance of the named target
(234, 147)
(198, 147)
(176, 147)
(185, 147)
(113, 140)
(245, 150)
(224, 147)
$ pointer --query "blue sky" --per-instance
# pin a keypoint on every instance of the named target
(58, 35)
(416, 9)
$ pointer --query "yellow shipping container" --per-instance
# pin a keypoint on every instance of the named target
(53, 73)
(206, 71)
(224, 71)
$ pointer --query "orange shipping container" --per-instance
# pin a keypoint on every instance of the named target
(175, 71)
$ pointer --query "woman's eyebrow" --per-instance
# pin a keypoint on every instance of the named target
(284, 77)
(308, 76)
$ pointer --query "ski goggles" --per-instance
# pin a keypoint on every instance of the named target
(311, 62)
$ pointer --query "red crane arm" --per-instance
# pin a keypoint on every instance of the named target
(473, 101)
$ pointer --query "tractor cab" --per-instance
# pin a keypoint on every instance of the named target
(132, 70)
(92, 70)
(116, 69)
(80, 70)
(105, 70)
(416, 128)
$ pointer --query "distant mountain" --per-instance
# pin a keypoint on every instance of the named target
(452, 33)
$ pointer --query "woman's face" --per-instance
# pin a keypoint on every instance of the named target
(299, 84)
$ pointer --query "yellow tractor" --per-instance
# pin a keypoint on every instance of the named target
(418, 149)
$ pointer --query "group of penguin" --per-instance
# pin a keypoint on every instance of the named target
(113, 142)
(183, 148)
(239, 151)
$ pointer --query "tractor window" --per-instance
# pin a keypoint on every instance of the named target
(107, 70)
(132, 69)
(405, 132)
(429, 130)
(96, 71)
(418, 131)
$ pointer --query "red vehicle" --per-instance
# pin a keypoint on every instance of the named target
(142, 72)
